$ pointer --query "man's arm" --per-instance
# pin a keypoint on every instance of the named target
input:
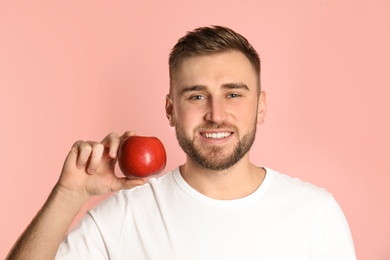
(88, 170)
(42, 237)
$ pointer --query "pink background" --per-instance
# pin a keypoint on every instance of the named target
(74, 70)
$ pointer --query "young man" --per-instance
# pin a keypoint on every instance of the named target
(217, 205)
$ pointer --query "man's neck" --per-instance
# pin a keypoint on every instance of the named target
(235, 182)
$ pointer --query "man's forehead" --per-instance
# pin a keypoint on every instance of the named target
(223, 68)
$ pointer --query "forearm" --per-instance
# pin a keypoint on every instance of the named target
(89, 169)
(42, 237)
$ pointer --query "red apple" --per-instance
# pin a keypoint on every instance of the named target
(141, 156)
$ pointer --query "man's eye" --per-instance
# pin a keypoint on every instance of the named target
(234, 95)
(196, 97)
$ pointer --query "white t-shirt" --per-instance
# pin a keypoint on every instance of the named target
(167, 219)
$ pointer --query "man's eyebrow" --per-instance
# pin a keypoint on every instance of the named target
(193, 88)
(236, 86)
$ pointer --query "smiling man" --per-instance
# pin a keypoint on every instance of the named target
(217, 204)
(215, 104)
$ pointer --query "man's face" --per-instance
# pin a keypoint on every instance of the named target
(215, 107)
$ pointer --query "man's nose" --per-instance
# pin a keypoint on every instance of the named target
(216, 111)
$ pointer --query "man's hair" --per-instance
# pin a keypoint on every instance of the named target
(211, 40)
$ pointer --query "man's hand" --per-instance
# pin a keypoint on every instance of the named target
(89, 168)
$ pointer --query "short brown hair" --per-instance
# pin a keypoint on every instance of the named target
(209, 40)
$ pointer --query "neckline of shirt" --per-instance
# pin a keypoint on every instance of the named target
(254, 196)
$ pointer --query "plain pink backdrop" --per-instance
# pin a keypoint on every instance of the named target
(74, 70)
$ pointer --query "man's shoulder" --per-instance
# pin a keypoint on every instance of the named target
(295, 187)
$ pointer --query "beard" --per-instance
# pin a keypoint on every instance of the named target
(215, 158)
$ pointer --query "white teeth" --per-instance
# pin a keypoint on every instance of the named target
(217, 135)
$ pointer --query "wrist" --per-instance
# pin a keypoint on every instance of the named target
(68, 198)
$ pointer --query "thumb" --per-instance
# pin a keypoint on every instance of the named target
(124, 183)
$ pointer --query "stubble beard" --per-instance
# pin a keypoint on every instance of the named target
(216, 158)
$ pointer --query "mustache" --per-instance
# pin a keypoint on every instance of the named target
(214, 125)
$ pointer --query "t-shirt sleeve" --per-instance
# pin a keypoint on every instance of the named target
(336, 239)
(98, 234)
(83, 242)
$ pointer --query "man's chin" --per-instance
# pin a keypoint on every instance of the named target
(209, 162)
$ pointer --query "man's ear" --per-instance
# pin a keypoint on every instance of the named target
(169, 110)
(262, 108)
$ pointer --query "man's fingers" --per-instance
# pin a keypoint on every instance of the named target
(83, 151)
(88, 155)
(95, 157)
(124, 183)
(89, 160)
(127, 134)
(113, 141)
